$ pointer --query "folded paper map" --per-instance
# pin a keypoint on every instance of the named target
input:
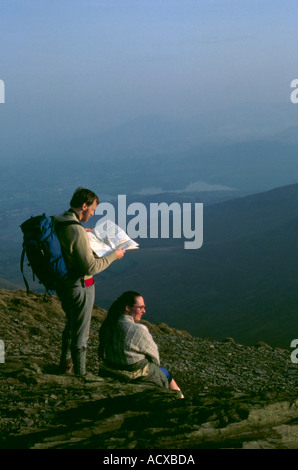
(107, 237)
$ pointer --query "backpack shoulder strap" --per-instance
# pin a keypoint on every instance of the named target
(67, 222)
(22, 270)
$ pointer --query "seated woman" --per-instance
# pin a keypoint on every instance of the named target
(127, 348)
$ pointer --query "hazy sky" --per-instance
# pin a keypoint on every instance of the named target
(75, 66)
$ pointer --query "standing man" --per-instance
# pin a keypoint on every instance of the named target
(77, 294)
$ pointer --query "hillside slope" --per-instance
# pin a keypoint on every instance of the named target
(235, 396)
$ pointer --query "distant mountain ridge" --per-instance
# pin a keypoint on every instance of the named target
(249, 148)
(4, 284)
(251, 214)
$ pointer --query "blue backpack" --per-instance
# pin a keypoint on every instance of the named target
(43, 251)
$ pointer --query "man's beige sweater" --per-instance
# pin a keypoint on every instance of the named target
(80, 260)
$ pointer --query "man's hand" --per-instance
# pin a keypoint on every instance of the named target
(119, 253)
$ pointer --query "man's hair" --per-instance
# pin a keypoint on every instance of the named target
(81, 196)
(115, 311)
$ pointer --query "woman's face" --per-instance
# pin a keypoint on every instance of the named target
(137, 310)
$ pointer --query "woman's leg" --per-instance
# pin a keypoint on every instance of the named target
(173, 385)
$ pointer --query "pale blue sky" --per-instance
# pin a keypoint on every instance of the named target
(74, 66)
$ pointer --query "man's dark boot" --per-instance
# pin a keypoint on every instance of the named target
(67, 368)
(66, 365)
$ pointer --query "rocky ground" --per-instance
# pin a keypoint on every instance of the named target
(235, 396)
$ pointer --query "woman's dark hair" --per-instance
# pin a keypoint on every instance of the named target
(115, 311)
(81, 196)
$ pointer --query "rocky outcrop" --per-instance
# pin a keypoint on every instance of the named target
(235, 396)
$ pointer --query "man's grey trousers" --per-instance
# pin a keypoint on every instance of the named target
(77, 302)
